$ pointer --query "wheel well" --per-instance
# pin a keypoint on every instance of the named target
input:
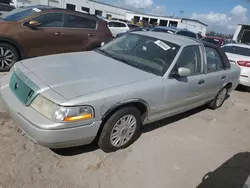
(229, 85)
(15, 46)
(139, 105)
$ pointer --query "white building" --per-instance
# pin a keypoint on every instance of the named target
(116, 12)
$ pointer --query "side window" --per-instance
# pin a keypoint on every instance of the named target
(50, 20)
(111, 24)
(214, 61)
(190, 58)
(122, 25)
(75, 21)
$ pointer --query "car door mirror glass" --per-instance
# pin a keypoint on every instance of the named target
(34, 24)
(184, 72)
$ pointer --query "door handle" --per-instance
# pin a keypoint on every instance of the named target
(201, 82)
(59, 34)
(91, 35)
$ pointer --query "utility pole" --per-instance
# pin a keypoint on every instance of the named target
(181, 13)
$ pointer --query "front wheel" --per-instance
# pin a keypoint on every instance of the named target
(219, 99)
(120, 130)
(8, 56)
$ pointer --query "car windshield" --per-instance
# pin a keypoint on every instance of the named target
(19, 14)
(146, 53)
(236, 50)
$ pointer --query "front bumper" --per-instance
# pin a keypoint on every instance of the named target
(30, 122)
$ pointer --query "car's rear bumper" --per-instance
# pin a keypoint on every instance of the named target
(245, 76)
(29, 121)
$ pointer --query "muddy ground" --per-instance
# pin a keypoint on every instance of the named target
(172, 153)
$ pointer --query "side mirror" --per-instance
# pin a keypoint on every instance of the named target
(184, 72)
(34, 24)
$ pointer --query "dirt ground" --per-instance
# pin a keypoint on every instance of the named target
(174, 153)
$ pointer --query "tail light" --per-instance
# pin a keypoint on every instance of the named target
(244, 63)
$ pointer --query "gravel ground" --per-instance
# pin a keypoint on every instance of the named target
(173, 153)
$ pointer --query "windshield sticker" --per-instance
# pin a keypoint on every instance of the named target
(36, 9)
(162, 45)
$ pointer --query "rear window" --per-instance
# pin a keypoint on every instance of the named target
(162, 30)
(236, 50)
(212, 40)
(187, 34)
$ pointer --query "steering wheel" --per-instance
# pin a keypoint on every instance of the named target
(160, 62)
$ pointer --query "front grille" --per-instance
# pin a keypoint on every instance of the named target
(23, 91)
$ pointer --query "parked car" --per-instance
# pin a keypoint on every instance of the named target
(228, 41)
(117, 27)
(239, 54)
(133, 30)
(132, 26)
(174, 30)
(214, 40)
(106, 95)
(42, 30)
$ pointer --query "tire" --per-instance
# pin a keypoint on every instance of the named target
(222, 94)
(112, 127)
(11, 56)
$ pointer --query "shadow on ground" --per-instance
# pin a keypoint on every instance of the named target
(170, 120)
(234, 173)
(243, 89)
(150, 127)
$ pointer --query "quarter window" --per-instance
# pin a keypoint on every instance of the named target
(50, 20)
(74, 21)
(214, 61)
(191, 59)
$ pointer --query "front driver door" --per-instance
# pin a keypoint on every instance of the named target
(184, 93)
(45, 39)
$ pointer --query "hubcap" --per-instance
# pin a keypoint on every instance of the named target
(123, 130)
(6, 57)
(221, 97)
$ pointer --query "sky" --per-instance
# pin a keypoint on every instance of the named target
(220, 15)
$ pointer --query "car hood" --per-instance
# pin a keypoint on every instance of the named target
(76, 74)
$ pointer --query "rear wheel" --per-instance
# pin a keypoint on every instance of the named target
(120, 130)
(219, 99)
(8, 56)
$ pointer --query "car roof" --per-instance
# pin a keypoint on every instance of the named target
(238, 45)
(52, 8)
(176, 39)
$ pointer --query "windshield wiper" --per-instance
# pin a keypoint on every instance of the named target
(115, 57)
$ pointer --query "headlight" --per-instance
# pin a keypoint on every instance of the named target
(59, 113)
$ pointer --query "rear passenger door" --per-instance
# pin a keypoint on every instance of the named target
(216, 74)
(79, 32)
